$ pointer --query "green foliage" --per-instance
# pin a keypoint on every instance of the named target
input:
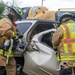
(2, 8)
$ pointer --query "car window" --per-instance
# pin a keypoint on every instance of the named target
(34, 10)
(47, 38)
(43, 26)
(40, 28)
(22, 27)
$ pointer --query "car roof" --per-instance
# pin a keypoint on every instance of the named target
(36, 20)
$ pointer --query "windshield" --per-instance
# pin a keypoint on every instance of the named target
(59, 14)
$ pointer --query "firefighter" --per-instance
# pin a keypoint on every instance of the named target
(7, 31)
(64, 43)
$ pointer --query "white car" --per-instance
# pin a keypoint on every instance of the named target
(38, 56)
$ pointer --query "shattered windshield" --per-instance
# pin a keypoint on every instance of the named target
(59, 14)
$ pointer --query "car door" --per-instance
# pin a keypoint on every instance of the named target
(41, 60)
(24, 27)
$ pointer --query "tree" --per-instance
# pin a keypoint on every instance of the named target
(2, 8)
(16, 2)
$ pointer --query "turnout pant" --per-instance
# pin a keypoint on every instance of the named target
(73, 71)
(11, 67)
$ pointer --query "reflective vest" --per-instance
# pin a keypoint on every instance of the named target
(68, 39)
(6, 53)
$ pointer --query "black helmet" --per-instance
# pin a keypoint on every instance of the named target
(17, 11)
(65, 17)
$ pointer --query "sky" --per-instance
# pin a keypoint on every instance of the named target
(50, 4)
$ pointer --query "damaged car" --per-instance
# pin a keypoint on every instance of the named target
(36, 56)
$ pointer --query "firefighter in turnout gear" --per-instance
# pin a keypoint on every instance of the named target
(64, 43)
(7, 31)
